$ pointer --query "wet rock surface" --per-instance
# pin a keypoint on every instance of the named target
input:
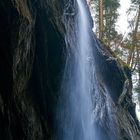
(36, 38)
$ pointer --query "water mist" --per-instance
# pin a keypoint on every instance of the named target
(77, 86)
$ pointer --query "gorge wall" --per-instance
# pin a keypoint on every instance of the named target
(36, 38)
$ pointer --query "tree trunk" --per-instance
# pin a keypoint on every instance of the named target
(101, 23)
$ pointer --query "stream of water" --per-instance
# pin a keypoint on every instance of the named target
(76, 119)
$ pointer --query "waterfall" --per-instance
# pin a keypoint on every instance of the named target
(77, 86)
(84, 71)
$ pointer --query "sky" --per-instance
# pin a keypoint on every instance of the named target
(122, 24)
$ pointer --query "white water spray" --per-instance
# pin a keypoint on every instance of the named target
(84, 73)
(77, 86)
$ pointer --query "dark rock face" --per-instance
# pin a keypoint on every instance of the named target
(114, 111)
(36, 37)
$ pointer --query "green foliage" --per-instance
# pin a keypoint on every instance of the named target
(137, 89)
(135, 1)
(111, 15)
(114, 4)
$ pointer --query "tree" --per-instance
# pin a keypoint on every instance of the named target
(101, 20)
(110, 19)
(134, 51)
(105, 17)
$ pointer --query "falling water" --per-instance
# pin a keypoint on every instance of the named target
(77, 86)
(84, 71)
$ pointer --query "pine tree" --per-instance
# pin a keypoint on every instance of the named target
(110, 19)
(134, 51)
(105, 18)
